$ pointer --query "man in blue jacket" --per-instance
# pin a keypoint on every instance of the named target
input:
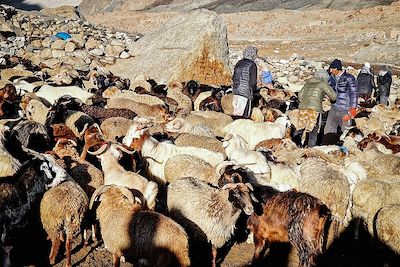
(345, 86)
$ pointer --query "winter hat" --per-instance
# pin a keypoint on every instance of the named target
(336, 64)
(250, 52)
(367, 65)
(322, 74)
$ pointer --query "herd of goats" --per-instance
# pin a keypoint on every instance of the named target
(162, 174)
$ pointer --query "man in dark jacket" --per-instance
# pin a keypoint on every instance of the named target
(244, 83)
(345, 86)
(384, 82)
(366, 83)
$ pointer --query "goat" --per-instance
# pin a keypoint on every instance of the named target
(114, 173)
(213, 211)
(130, 231)
(290, 216)
(391, 143)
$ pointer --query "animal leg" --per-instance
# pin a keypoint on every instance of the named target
(259, 250)
(214, 256)
(55, 245)
(68, 250)
(116, 260)
(94, 229)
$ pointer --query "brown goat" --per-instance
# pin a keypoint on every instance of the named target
(390, 142)
(61, 131)
(290, 216)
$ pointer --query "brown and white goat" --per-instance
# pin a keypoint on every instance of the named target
(391, 143)
(289, 216)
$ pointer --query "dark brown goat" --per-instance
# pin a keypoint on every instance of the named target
(290, 216)
(390, 142)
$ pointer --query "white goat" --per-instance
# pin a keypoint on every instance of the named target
(157, 153)
(236, 148)
(115, 174)
(52, 93)
(255, 132)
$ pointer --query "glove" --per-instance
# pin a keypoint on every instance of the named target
(351, 114)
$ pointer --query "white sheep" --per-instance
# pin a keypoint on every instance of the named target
(255, 132)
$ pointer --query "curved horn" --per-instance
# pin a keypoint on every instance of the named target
(220, 168)
(127, 193)
(81, 133)
(98, 128)
(249, 185)
(101, 150)
(100, 190)
(126, 149)
(230, 186)
(228, 137)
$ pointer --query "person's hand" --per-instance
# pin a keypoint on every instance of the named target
(353, 112)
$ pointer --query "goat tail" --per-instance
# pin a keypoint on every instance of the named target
(150, 194)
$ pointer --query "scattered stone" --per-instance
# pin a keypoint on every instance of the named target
(58, 44)
(293, 79)
(124, 55)
(70, 47)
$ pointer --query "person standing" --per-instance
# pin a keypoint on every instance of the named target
(366, 83)
(311, 96)
(345, 86)
(244, 83)
(384, 83)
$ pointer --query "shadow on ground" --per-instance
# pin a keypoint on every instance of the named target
(21, 4)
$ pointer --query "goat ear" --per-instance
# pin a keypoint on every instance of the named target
(228, 137)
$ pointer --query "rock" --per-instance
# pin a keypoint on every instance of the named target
(78, 40)
(36, 44)
(282, 80)
(113, 50)
(47, 42)
(293, 79)
(58, 44)
(51, 63)
(191, 46)
(81, 54)
(46, 53)
(92, 43)
(283, 61)
(70, 47)
(124, 55)
(75, 62)
(58, 53)
(96, 52)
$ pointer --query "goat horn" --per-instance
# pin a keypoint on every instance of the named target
(84, 130)
(101, 150)
(126, 149)
(127, 193)
(230, 186)
(220, 168)
(98, 128)
(228, 137)
(100, 190)
(249, 185)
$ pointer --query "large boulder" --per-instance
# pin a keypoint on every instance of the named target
(192, 46)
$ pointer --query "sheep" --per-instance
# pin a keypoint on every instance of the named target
(290, 216)
(78, 122)
(202, 96)
(175, 92)
(128, 230)
(391, 143)
(100, 114)
(142, 110)
(157, 153)
(114, 173)
(52, 93)
(387, 224)
(215, 120)
(179, 125)
(255, 132)
(114, 128)
(192, 140)
(184, 165)
(84, 173)
(37, 111)
(226, 103)
(62, 210)
(8, 164)
(143, 99)
(213, 211)
(236, 149)
(213, 101)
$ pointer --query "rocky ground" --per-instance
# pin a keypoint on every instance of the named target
(371, 34)
(293, 51)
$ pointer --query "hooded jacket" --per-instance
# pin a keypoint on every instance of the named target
(245, 78)
(384, 83)
(346, 90)
(365, 82)
(313, 92)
